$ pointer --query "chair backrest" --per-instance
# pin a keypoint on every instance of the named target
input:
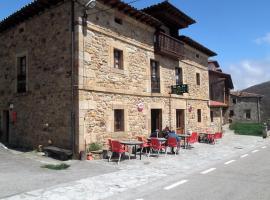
(110, 143)
(155, 143)
(172, 142)
(218, 135)
(193, 138)
(116, 146)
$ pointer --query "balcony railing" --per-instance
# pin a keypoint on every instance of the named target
(167, 45)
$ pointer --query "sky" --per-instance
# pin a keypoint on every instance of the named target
(237, 30)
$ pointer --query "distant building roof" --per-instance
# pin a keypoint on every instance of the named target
(217, 104)
(228, 77)
(196, 45)
(38, 6)
(214, 66)
(245, 94)
(169, 15)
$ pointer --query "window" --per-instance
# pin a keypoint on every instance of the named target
(178, 76)
(118, 59)
(231, 113)
(155, 80)
(199, 115)
(21, 74)
(197, 55)
(198, 79)
(212, 116)
(119, 120)
(234, 100)
(118, 20)
(248, 114)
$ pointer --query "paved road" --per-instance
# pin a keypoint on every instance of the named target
(246, 177)
(22, 172)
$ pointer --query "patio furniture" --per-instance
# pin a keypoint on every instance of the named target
(157, 145)
(193, 138)
(133, 143)
(185, 138)
(116, 147)
(210, 138)
(172, 142)
(146, 145)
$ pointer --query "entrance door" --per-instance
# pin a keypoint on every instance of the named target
(5, 127)
(180, 121)
(156, 119)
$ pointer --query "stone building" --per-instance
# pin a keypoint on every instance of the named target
(245, 107)
(220, 85)
(73, 75)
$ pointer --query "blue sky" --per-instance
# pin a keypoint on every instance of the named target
(238, 30)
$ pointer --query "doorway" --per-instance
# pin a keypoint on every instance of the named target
(180, 121)
(156, 119)
(5, 127)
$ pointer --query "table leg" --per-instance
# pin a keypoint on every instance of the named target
(135, 151)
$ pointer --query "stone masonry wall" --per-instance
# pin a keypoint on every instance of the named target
(43, 112)
(104, 88)
(241, 105)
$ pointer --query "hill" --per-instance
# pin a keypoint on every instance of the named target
(263, 89)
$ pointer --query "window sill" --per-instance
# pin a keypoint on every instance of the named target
(22, 94)
(118, 71)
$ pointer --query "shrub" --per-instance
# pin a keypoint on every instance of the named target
(94, 147)
(56, 167)
(254, 129)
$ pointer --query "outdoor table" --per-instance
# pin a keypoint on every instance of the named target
(133, 143)
(159, 139)
(185, 136)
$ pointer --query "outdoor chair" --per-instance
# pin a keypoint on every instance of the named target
(172, 142)
(118, 148)
(192, 139)
(156, 145)
(211, 138)
(146, 145)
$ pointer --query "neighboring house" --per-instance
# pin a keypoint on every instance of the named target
(220, 85)
(245, 107)
(73, 77)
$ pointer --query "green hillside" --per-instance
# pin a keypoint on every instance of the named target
(263, 89)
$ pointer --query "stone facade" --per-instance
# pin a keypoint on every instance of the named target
(104, 88)
(44, 111)
(245, 109)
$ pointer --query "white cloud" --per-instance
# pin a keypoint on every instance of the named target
(263, 40)
(249, 72)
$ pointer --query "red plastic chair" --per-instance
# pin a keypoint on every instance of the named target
(172, 142)
(218, 135)
(110, 144)
(118, 148)
(145, 144)
(156, 145)
(192, 139)
(211, 138)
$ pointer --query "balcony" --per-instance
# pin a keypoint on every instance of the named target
(169, 46)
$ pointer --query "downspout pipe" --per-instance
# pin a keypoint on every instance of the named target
(73, 132)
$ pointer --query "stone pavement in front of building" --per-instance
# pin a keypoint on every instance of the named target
(134, 173)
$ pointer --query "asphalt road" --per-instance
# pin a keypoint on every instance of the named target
(20, 173)
(246, 177)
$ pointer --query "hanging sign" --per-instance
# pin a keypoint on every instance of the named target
(140, 107)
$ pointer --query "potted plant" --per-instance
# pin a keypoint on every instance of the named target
(94, 151)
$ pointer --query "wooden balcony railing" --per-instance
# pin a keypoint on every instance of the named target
(167, 45)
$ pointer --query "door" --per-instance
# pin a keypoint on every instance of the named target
(180, 121)
(156, 119)
(5, 127)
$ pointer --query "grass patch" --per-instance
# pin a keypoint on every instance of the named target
(253, 129)
(56, 167)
